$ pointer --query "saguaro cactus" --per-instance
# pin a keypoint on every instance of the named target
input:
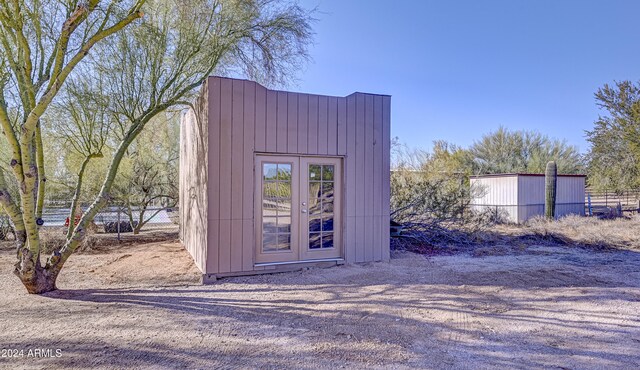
(550, 180)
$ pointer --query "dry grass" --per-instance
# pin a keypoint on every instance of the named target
(52, 239)
(499, 239)
(590, 231)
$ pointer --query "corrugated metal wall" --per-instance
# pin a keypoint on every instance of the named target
(245, 118)
(491, 192)
(531, 194)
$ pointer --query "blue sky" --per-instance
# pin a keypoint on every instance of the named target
(459, 69)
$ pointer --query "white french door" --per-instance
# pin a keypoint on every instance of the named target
(298, 208)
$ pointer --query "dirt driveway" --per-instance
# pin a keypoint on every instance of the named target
(139, 307)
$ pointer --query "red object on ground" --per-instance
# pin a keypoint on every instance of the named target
(66, 222)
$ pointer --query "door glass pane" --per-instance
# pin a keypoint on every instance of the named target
(314, 241)
(315, 206)
(269, 242)
(284, 207)
(327, 207)
(284, 171)
(284, 224)
(269, 224)
(314, 189)
(327, 172)
(283, 189)
(327, 190)
(314, 224)
(269, 208)
(327, 240)
(270, 190)
(284, 241)
(315, 172)
(327, 223)
(269, 171)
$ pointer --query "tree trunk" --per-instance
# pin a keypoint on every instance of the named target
(35, 278)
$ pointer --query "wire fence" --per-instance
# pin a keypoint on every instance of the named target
(625, 201)
(118, 220)
(522, 212)
(596, 203)
(115, 222)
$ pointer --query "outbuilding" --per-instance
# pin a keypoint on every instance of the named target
(274, 180)
(517, 197)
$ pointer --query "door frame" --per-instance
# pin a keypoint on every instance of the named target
(299, 235)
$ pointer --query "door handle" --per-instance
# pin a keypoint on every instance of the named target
(304, 211)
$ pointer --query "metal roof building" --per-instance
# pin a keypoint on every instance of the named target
(518, 197)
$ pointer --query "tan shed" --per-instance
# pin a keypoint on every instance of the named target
(275, 180)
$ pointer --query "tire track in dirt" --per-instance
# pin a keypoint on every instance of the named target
(460, 324)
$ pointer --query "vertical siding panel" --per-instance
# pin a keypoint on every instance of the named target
(347, 240)
(323, 125)
(237, 149)
(224, 263)
(248, 148)
(248, 244)
(332, 120)
(224, 253)
(213, 178)
(312, 132)
(271, 127)
(521, 211)
(369, 173)
(303, 122)
(386, 238)
(281, 118)
(360, 177)
(378, 176)
(386, 182)
(213, 244)
(350, 178)
(236, 245)
(378, 154)
(342, 126)
(261, 118)
(360, 239)
(370, 239)
(292, 122)
(237, 175)
(247, 188)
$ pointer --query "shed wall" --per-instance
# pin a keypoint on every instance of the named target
(520, 197)
(245, 118)
(193, 195)
(499, 194)
(569, 197)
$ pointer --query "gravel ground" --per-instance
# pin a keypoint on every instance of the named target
(140, 307)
